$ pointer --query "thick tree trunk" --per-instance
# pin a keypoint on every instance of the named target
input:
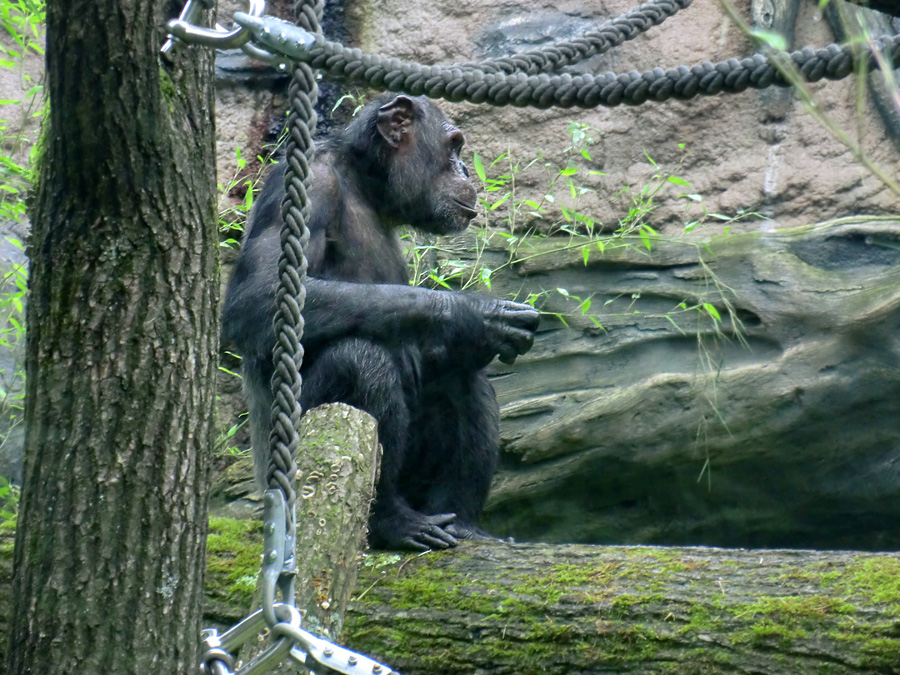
(527, 609)
(122, 352)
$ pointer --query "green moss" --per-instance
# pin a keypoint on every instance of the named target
(880, 651)
(234, 548)
(168, 89)
(536, 637)
(765, 631)
(875, 581)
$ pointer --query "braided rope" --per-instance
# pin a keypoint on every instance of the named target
(456, 83)
(291, 294)
(592, 43)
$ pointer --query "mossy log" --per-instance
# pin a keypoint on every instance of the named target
(493, 608)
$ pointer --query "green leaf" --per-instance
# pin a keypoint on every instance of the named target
(585, 254)
(679, 181)
(570, 171)
(493, 207)
(774, 40)
(479, 167)
(712, 311)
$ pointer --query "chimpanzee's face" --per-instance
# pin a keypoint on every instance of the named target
(452, 195)
(429, 183)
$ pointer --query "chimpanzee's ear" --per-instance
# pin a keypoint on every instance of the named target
(395, 121)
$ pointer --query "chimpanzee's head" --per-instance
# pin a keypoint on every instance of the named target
(411, 153)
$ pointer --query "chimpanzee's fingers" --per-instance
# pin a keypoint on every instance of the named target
(520, 315)
(512, 342)
(507, 355)
(438, 540)
(434, 535)
(411, 543)
(441, 519)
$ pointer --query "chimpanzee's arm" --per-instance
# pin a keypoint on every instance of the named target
(474, 327)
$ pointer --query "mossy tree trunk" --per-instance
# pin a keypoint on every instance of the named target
(121, 351)
(526, 609)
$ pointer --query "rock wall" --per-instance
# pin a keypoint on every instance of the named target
(756, 151)
(774, 427)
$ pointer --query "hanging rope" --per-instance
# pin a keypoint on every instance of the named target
(291, 294)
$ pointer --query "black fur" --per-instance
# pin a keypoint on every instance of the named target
(413, 358)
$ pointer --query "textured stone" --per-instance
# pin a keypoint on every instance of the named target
(784, 436)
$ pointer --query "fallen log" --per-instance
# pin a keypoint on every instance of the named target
(494, 608)
(498, 609)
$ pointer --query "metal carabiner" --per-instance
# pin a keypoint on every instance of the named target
(184, 30)
(283, 39)
(279, 555)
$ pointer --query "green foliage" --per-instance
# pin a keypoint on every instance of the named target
(9, 503)
(556, 215)
(23, 26)
(233, 215)
(357, 99)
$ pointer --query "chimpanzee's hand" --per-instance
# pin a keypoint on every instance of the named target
(508, 326)
(471, 329)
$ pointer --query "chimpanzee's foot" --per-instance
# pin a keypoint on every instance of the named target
(465, 531)
(412, 530)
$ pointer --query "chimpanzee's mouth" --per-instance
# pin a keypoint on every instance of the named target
(467, 209)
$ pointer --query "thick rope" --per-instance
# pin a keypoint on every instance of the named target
(592, 43)
(457, 83)
(291, 294)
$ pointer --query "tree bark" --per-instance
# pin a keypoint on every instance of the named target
(121, 351)
(493, 608)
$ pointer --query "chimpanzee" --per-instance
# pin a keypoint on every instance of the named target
(413, 358)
